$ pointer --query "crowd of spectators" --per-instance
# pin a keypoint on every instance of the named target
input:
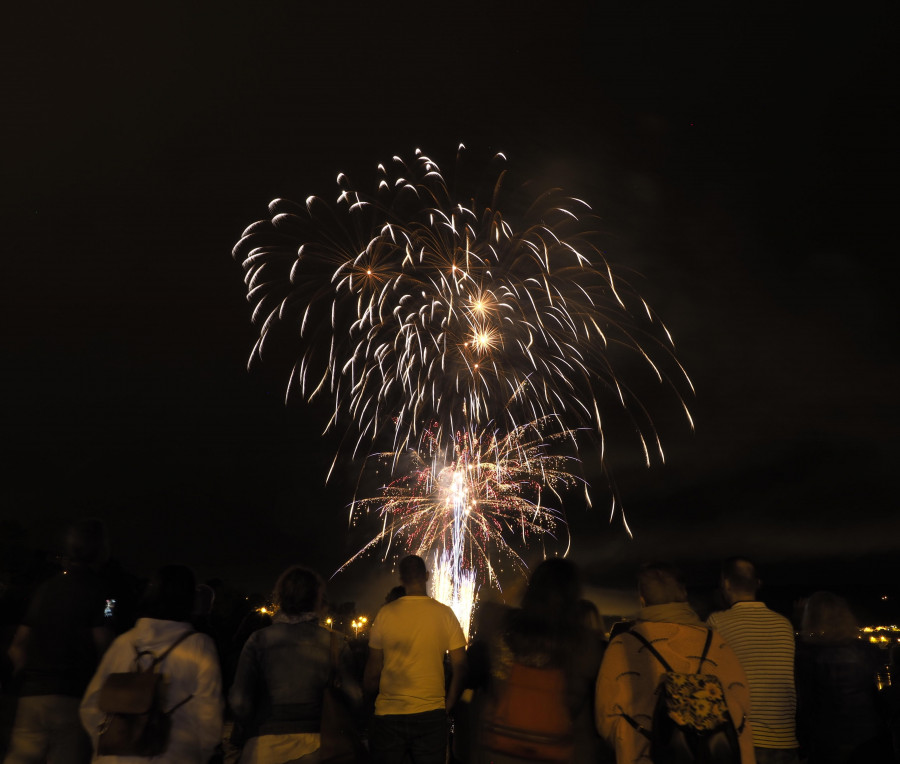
(274, 683)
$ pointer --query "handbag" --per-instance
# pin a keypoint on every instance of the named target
(341, 741)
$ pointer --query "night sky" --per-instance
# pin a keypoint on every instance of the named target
(742, 161)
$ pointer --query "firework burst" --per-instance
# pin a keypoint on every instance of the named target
(469, 503)
(413, 306)
(463, 343)
(475, 497)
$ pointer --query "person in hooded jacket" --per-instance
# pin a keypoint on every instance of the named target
(193, 679)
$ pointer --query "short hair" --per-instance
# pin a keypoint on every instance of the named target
(87, 542)
(412, 569)
(298, 590)
(661, 583)
(169, 595)
(741, 573)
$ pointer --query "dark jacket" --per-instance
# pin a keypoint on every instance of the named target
(281, 677)
(840, 718)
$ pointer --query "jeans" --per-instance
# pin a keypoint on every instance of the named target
(422, 738)
(48, 729)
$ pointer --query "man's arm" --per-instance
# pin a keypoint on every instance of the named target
(458, 668)
(372, 674)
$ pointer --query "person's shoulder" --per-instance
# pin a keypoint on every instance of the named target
(781, 620)
(389, 609)
(440, 605)
(621, 650)
(260, 637)
(774, 613)
(717, 617)
(60, 587)
(757, 612)
(668, 629)
(422, 602)
(325, 636)
(199, 639)
(425, 607)
(125, 639)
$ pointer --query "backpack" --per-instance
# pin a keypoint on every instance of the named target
(135, 723)
(528, 717)
(691, 721)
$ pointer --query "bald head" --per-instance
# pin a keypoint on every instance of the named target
(740, 580)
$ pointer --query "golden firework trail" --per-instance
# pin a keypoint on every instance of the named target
(412, 305)
(469, 503)
(451, 335)
(493, 486)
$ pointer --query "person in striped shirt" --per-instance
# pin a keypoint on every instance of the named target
(763, 641)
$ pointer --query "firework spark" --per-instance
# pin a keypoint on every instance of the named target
(476, 497)
(457, 337)
(413, 306)
(456, 588)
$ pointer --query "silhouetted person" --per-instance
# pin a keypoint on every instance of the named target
(590, 619)
(283, 670)
(193, 681)
(55, 651)
(407, 644)
(763, 641)
(839, 714)
(630, 674)
(543, 673)
(204, 599)
(488, 622)
(395, 594)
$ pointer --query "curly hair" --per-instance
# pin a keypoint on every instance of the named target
(828, 619)
(298, 590)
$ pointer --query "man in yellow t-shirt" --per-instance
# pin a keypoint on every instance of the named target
(407, 644)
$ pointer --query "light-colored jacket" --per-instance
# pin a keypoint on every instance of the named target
(630, 675)
(191, 669)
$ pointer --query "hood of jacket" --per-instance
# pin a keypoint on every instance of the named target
(156, 635)
(671, 612)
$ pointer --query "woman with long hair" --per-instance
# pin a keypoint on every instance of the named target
(839, 714)
(543, 670)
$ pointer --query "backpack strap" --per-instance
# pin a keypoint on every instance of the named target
(639, 727)
(705, 650)
(159, 659)
(666, 666)
(162, 656)
(651, 648)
